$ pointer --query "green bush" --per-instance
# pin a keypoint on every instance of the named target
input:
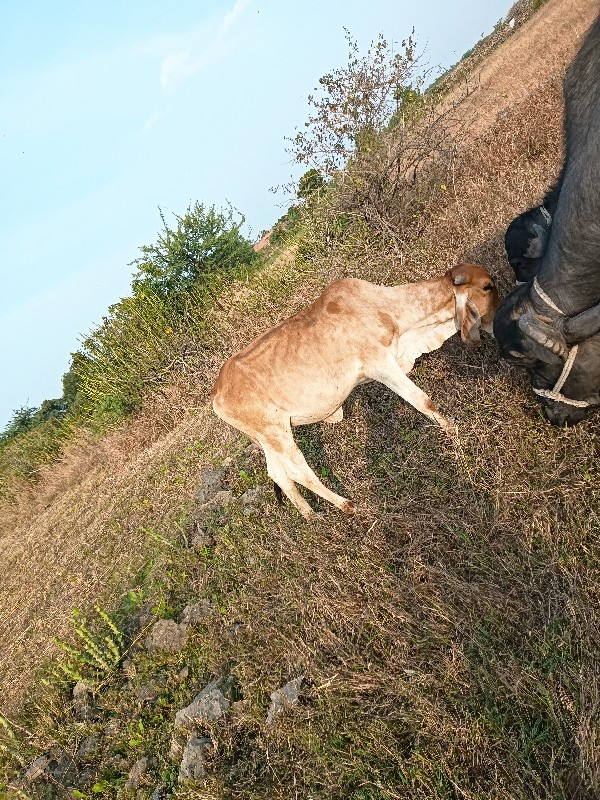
(205, 242)
(140, 342)
(21, 455)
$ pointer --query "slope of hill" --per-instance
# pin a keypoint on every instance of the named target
(515, 71)
(444, 640)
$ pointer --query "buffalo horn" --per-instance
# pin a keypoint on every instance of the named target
(583, 325)
(543, 334)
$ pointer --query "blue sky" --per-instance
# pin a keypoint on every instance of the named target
(110, 110)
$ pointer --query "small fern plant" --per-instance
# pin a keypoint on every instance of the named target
(8, 744)
(97, 654)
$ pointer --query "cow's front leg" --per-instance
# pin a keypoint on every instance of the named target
(390, 374)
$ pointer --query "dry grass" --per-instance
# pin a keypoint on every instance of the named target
(448, 634)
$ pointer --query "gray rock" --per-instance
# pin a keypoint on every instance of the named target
(284, 698)
(135, 774)
(220, 500)
(251, 500)
(82, 706)
(86, 777)
(37, 768)
(147, 693)
(140, 621)
(194, 613)
(160, 793)
(64, 772)
(112, 728)
(88, 749)
(212, 482)
(200, 538)
(183, 673)
(208, 706)
(252, 496)
(193, 762)
(166, 636)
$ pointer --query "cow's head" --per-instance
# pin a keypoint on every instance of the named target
(526, 241)
(541, 344)
(476, 300)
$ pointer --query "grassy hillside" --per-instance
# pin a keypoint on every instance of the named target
(446, 637)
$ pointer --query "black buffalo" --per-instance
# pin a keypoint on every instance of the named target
(539, 323)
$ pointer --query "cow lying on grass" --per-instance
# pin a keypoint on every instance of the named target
(302, 370)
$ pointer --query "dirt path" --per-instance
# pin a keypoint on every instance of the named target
(541, 48)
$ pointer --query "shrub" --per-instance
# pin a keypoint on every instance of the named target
(140, 343)
(204, 242)
(22, 454)
(380, 144)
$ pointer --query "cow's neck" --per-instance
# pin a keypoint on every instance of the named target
(422, 304)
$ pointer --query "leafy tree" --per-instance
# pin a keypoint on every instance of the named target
(376, 139)
(51, 409)
(355, 104)
(21, 421)
(205, 241)
(310, 184)
(71, 380)
(409, 105)
(26, 418)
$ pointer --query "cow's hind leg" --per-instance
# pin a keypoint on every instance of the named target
(291, 461)
(277, 471)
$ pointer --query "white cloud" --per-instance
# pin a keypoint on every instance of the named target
(154, 120)
(178, 67)
(238, 9)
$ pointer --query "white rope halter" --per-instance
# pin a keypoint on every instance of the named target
(545, 298)
(546, 215)
(555, 393)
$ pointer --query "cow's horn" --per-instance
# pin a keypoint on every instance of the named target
(543, 334)
(583, 325)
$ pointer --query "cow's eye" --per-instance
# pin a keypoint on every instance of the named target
(488, 287)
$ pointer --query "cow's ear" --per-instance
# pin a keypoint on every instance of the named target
(583, 325)
(543, 340)
(467, 319)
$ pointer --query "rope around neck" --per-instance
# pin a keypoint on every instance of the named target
(546, 215)
(548, 300)
(555, 393)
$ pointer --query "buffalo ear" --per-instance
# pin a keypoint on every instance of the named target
(583, 325)
(468, 320)
(537, 246)
(545, 342)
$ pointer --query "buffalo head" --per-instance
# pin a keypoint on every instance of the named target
(526, 241)
(542, 344)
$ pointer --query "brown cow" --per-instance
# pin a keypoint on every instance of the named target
(302, 370)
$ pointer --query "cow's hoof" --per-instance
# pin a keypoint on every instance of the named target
(349, 507)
